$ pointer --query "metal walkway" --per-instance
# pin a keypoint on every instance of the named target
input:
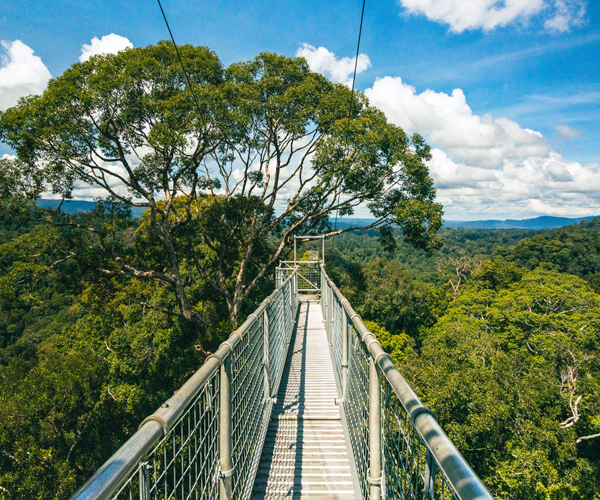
(259, 420)
(305, 454)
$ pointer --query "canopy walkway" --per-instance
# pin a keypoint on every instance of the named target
(301, 402)
(305, 451)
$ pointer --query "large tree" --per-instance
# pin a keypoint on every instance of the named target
(229, 164)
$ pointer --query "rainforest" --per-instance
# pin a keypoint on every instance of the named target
(498, 332)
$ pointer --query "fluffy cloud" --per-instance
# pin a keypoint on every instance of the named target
(325, 62)
(567, 133)
(461, 15)
(485, 167)
(108, 44)
(567, 13)
(450, 123)
(21, 73)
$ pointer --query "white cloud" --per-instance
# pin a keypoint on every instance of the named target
(108, 44)
(21, 73)
(485, 167)
(567, 13)
(450, 123)
(461, 15)
(325, 62)
(567, 133)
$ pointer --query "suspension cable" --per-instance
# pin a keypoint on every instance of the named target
(187, 76)
(362, 15)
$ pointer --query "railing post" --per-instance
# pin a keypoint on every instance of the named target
(266, 353)
(292, 295)
(325, 297)
(328, 317)
(430, 468)
(331, 312)
(144, 477)
(374, 432)
(346, 329)
(225, 447)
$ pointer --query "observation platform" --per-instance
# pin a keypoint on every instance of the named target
(305, 454)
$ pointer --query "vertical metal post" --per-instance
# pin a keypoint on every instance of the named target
(326, 310)
(295, 257)
(324, 306)
(144, 476)
(323, 249)
(266, 352)
(430, 469)
(346, 329)
(225, 427)
(374, 432)
(330, 314)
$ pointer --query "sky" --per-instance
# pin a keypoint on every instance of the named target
(506, 92)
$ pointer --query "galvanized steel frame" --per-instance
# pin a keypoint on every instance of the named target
(309, 274)
(205, 442)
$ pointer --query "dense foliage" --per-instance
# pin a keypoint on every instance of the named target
(509, 361)
(223, 160)
(103, 316)
(508, 358)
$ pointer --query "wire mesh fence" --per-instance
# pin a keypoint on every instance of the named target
(184, 463)
(184, 460)
(410, 470)
(309, 275)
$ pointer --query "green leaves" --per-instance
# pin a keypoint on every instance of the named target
(503, 369)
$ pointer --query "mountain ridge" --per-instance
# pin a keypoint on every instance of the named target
(541, 222)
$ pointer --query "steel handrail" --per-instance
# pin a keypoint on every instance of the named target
(107, 480)
(460, 475)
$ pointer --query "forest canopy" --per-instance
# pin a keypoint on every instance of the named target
(229, 163)
(103, 315)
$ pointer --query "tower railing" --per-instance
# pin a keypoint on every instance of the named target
(205, 442)
(399, 449)
(309, 274)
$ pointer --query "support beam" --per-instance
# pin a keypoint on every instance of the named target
(346, 332)
(331, 315)
(266, 352)
(374, 432)
(225, 428)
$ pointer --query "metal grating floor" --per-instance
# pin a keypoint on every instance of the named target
(305, 454)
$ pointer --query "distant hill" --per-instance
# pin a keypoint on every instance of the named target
(76, 206)
(543, 222)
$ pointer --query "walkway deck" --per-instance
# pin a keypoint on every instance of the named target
(305, 454)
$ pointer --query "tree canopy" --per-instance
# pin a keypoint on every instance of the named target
(230, 164)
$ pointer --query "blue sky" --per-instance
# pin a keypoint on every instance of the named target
(518, 139)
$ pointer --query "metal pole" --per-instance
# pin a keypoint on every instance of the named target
(374, 432)
(225, 432)
(326, 311)
(295, 258)
(330, 316)
(325, 302)
(266, 351)
(346, 329)
(144, 477)
(323, 249)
